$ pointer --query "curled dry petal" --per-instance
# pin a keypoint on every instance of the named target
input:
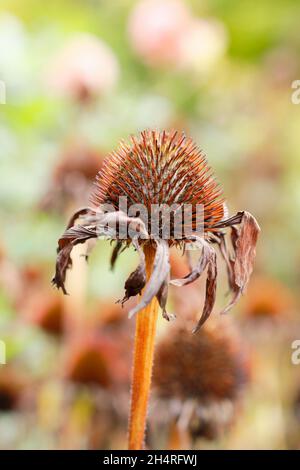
(229, 261)
(73, 236)
(206, 256)
(244, 241)
(93, 224)
(239, 264)
(78, 214)
(137, 279)
(207, 259)
(161, 269)
(162, 297)
(210, 293)
(234, 220)
(115, 253)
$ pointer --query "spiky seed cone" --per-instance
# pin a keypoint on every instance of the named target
(206, 366)
(160, 168)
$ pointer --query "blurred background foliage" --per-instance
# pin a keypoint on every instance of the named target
(228, 85)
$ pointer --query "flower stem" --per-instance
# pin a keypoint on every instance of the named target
(142, 364)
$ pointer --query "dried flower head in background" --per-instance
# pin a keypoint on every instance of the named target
(267, 299)
(46, 310)
(95, 359)
(203, 373)
(11, 388)
(160, 169)
(72, 177)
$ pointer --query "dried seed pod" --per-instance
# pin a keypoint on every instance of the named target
(160, 175)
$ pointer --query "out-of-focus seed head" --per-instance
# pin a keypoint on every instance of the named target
(267, 299)
(11, 387)
(46, 310)
(72, 177)
(95, 360)
(198, 380)
(207, 366)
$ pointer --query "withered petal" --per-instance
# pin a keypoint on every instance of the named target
(94, 224)
(244, 241)
(161, 269)
(229, 261)
(79, 213)
(137, 279)
(115, 253)
(162, 297)
(210, 293)
(73, 236)
(234, 220)
(118, 222)
(206, 255)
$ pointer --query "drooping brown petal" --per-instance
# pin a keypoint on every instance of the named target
(115, 254)
(206, 256)
(162, 297)
(137, 279)
(73, 236)
(210, 293)
(161, 269)
(119, 224)
(94, 224)
(234, 220)
(244, 241)
(78, 214)
(229, 260)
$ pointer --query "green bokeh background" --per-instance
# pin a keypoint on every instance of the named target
(240, 114)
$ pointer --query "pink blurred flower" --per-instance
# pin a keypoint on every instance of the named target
(165, 33)
(155, 28)
(202, 45)
(84, 68)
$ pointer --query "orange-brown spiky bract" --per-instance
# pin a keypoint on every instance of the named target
(160, 168)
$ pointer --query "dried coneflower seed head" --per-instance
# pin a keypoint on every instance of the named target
(95, 360)
(160, 168)
(171, 198)
(198, 380)
(207, 366)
